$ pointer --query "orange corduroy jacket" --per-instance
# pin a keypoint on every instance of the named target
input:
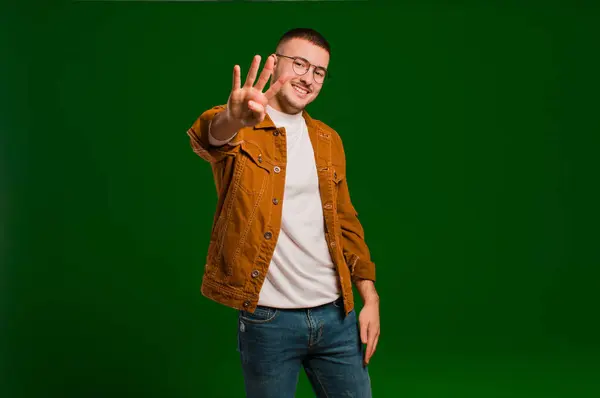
(249, 175)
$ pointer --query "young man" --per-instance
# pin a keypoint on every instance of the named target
(286, 243)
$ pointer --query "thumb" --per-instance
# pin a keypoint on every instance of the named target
(256, 107)
(363, 332)
(258, 111)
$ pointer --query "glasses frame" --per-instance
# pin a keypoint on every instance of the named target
(315, 67)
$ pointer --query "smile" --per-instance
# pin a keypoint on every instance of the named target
(300, 90)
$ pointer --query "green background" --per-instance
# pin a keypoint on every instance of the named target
(471, 131)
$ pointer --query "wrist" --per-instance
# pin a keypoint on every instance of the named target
(233, 123)
(367, 291)
(371, 299)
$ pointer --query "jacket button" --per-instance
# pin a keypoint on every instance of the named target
(268, 235)
(246, 304)
(255, 273)
(275, 133)
(277, 169)
(328, 206)
(275, 201)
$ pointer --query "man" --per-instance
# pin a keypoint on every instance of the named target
(286, 243)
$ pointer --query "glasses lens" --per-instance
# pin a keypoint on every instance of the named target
(300, 66)
(319, 75)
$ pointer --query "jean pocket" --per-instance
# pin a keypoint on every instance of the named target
(260, 315)
(339, 302)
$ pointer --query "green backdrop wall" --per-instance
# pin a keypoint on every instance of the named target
(471, 131)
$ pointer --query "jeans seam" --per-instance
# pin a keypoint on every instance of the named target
(316, 372)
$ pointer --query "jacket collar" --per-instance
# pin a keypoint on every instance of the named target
(267, 122)
(320, 140)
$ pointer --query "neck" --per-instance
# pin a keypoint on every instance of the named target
(278, 116)
(278, 105)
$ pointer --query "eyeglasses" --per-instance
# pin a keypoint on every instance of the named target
(301, 66)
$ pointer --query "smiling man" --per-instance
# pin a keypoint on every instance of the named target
(286, 244)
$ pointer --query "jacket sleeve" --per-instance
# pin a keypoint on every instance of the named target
(355, 249)
(199, 141)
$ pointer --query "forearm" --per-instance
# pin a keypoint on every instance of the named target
(223, 127)
(367, 291)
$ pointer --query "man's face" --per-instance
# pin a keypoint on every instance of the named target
(298, 91)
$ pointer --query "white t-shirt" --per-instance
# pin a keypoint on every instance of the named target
(301, 273)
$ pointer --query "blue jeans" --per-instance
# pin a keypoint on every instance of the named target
(275, 343)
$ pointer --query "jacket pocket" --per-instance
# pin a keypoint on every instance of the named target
(251, 171)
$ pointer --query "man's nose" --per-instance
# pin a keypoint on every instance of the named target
(305, 79)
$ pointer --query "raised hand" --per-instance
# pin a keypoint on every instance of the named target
(247, 103)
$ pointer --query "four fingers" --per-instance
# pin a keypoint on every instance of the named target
(263, 79)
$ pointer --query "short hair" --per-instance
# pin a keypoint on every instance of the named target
(307, 34)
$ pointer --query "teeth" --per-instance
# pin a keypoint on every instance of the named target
(300, 90)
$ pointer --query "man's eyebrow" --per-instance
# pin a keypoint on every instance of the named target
(319, 66)
(316, 66)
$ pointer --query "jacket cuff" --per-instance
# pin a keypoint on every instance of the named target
(360, 269)
(198, 134)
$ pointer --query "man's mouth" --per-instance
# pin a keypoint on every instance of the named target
(300, 90)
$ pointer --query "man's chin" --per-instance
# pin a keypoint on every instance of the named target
(296, 104)
(303, 102)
